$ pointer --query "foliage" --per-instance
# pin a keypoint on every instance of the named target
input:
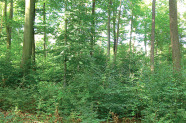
(97, 90)
(164, 96)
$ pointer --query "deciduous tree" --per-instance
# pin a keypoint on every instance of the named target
(176, 55)
(108, 29)
(28, 35)
(93, 27)
(44, 30)
(152, 37)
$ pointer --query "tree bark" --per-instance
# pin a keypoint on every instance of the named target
(114, 25)
(10, 18)
(65, 60)
(33, 41)
(93, 27)
(176, 54)
(108, 30)
(44, 30)
(152, 37)
(28, 35)
(145, 39)
(117, 37)
(8, 24)
(131, 30)
(1, 22)
(130, 43)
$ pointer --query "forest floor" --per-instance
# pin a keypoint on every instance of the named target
(22, 117)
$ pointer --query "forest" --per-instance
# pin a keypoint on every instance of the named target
(92, 61)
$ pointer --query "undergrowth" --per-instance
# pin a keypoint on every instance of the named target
(97, 95)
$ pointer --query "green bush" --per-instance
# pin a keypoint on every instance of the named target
(9, 76)
(164, 96)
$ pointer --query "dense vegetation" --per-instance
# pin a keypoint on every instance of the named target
(81, 61)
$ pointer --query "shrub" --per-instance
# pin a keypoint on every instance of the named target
(164, 96)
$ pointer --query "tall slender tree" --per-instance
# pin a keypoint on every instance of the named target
(65, 60)
(93, 27)
(44, 30)
(114, 8)
(176, 54)
(130, 41)
(1, 22)
(131, 31)
(28, 35)
(152, 36)
(8, 22)
(10, 18)
(145, 38)
(117, 36)
(6, 25)
(108, 29)
(33, 40)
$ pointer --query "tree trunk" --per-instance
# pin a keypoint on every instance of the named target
(145, 39)
(117, 37)
(5, 18)
(176, 54)
(1, 22)
(152, 37)
(108, 30)
(93, 27)
(7, 26)
(65, 60)
(131, 30)
(44, 30)
(33, 42)
(28, 35)
(114, 26)
(130, 43)
(11, 18)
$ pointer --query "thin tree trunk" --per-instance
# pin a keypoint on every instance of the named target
(28, 35)
(65, 60)
(145, 39)
(117, 37)
(130, 43)
(114, 26)
(131, 30)
(33, 40)
(108, 30)
(8, 26)
(152, 37)
(44, 38)
(11, 18)
(176, 54)
(93, 27)
(1, 22)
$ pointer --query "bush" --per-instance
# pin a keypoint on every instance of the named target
(9, 76)
(164, 96)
